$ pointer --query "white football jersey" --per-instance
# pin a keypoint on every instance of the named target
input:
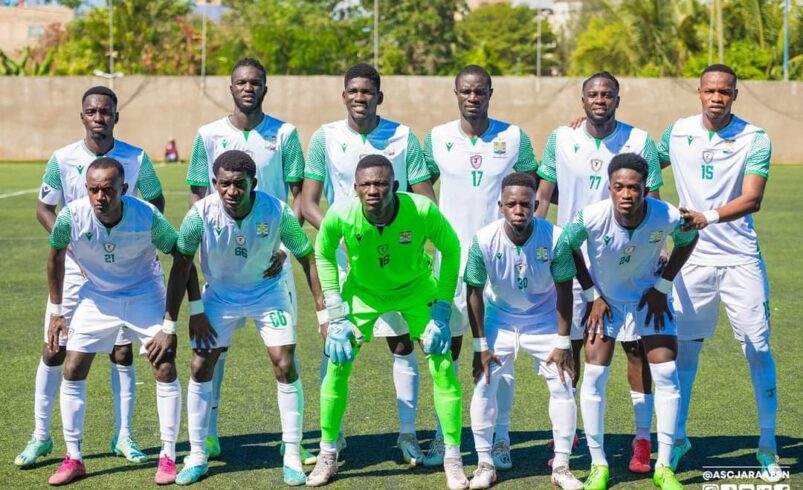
(273, 144)
(520, 290)
(578, 163)
(235, 253)
(709, 169)
(335, 150)
(121, 259)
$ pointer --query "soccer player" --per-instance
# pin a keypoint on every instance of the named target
(512, 255)
(385, 234)
(471, 156)
(334, 151)
(64, 181)
(625, 235)
(115, 239)
(721, 164)
(576, 160)
(275, 147)
(238, 230)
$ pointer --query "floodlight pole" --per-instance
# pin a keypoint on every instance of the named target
(376, 34)
(786, 41)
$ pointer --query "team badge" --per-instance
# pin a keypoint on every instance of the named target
(521, 267)
(656, 236)
(542, 254)
(89, 235)
(240, 239)
(382, 249)
(262, 230)
(629, 250)
(476, 161)
(596, 164)
(270, 143)
(708, 156)
(500, 147)
(406, 237)
(108, 247)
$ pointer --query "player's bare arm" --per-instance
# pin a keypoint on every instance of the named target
(483, 357)
(563, 357)
(747, 203)
(196, 194)
(425, 189)
(655, 298)
(544, 197)
(311, 202)
(55, 283)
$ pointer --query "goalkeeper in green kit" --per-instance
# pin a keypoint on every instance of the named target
(384, 233)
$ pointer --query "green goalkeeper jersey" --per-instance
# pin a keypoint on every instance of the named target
(389, 260)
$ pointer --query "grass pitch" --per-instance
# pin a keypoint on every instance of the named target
(723, 422)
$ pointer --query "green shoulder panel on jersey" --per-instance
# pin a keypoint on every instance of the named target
(682, 238)
(292, 235)
(572, 238)
(52, 176)
(62, 229)
(548, 169)
(198, 168)
(526, 161)
(148, 183)
(315, 168)
(429, 158)
(191, 233)
(475, 273)
(758, 160)
(663, 146)
(326, 244)
(650, 153)
(293, 158)
(416, 168)
(163, 235)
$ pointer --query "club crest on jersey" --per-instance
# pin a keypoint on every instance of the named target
(240, 239)
(708, 156)
(500, 147)
(270, 143)
(629, 250)
(596, 164)
(542, 254)
(108, 247)
(406, 237)
(521, 268)
(262, 230)
(656, 236)
(476, 161)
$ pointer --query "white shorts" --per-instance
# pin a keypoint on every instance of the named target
(98, 320)
(506, 344)
(272, 315)
(73, 280)
(744, 290)
(391, 324)
(627, 334)
(629, 323)
(458, 323)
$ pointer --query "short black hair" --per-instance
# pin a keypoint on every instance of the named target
(602, 74)
(235, 161)
(100, 90)
(630, 161)
(520, 179)
(370, 161)
(720, 68)
(363, 70)
(473, 70)
(251, 62)
(108, 162)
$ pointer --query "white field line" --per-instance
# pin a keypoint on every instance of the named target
(19, 193)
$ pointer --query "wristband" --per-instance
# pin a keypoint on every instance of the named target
(196, 307)
(663, 285)
(591, 294)
(55, 310)
(335, 307)
(323, 316)
(169, 327)
(711, 216)
(480, 344)
(563, 342)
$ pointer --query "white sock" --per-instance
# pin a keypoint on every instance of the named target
(762, 374)
(687, 362)
(291, 412)
(48, 379)
(485, 457)
(199, 402)
(452, 452)
(592, 405)
(439, 429)
(217, 381)
(328, 447)
(484, 409)
(642, 411)
(560, 459)
(73, 410)
(124, 382)
(667, 405)
(168, 405)
(504, 404)
(405, 378)
(563, 414)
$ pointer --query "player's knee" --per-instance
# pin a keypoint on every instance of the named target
(165, 372)
(285, 370)
(53, 359)
(122, 355)
(202, 368)
(757, 352)
(560, 391)
(73, 371)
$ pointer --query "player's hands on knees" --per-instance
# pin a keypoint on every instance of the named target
(657, 307)
(276, 264)
(482, 365)
(58, 326)
(160, 346)
(339, 337)
(595, 316)
(201, 331)
(564, 362)
(692, 220)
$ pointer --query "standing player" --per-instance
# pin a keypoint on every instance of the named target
(63, 182)
(625, 235)
(238, 231)
(721, 164)
(334, 151)
(115, 239)
(513, 255)
(275, 147)
(471, 156)
(576, 161)
(385, 234)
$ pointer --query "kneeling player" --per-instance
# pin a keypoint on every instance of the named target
(115, 239)
(385, 233)
(239, 230)
(625, 234)
(513, 255)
